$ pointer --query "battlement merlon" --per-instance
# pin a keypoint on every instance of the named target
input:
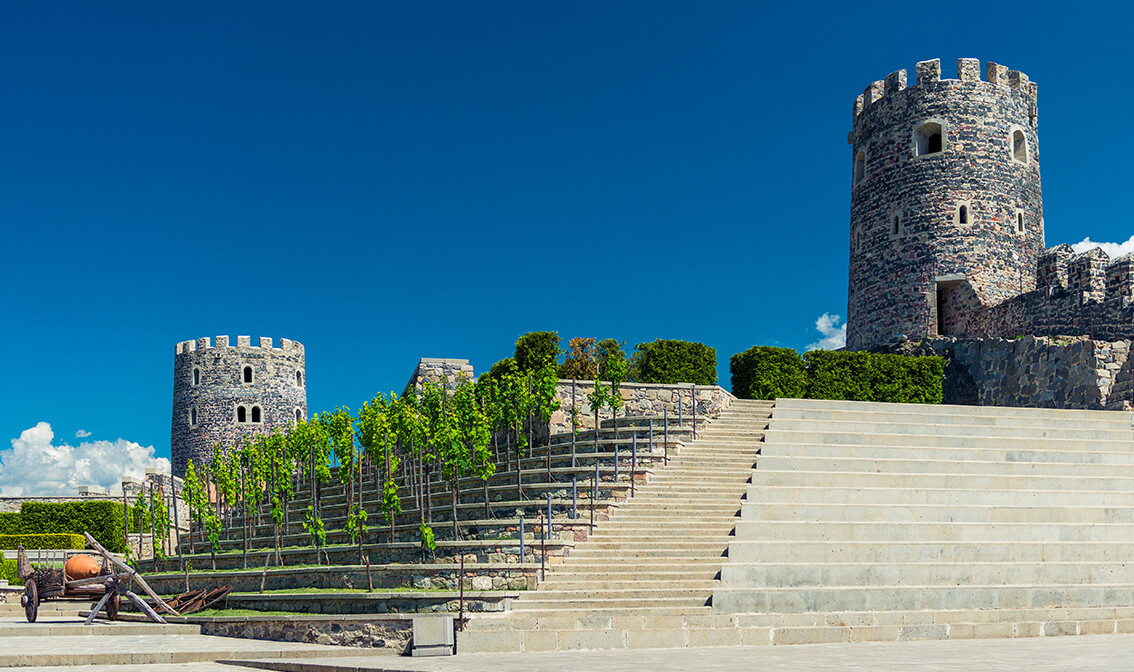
(223, 341)
(968, 70)
(1091, 271)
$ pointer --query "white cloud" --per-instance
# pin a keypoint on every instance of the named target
(34, 465)
(1113, 250)
(834, 335)
(82, 434)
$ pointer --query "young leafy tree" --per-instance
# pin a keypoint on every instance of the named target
(193, 493)
(372, 428)
(615, 368)
(471, 456)
(314, 441)
(545, 399)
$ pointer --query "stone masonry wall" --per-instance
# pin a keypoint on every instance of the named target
(640, 399)
(209, 387)
(439, 371)
(1042, 372)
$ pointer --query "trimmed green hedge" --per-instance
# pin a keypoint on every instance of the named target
(864, 376)
(102, 519)
(767, 373)
(52, 542)
(764, 372)
(8, 571)
(670, 361)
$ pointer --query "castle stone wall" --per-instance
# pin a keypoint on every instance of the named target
(439, 371)
(209, 381)
(639, 399)
(1072, 372)
(898, 269)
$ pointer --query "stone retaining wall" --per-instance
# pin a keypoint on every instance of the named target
(640, 399)
(388, 633)
(1043, 372)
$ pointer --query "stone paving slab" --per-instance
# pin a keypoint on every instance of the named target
(1090, 653)
(56, 626)
(166, 667)
(36, 650)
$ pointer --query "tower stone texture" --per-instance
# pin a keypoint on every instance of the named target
(223, 393)
(946, 205)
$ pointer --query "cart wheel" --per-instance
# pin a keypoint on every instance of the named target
(31, 606)
(112, 607)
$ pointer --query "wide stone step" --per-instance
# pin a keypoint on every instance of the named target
(954, 428)
(1111, 422)
(559, 593)
(873, 479)
(970, 574)
(610, 603)
(813, 551)
(937, 496)
(817, 435)
(664, 631)
(935, 531)
(1035, 454)
(937, 513)
(915, 466)
(676, 586)
(862, 407)
(923, 597)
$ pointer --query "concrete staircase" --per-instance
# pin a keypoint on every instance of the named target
(890, 521)
(641, 576)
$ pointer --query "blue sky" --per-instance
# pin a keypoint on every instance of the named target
(387, 181)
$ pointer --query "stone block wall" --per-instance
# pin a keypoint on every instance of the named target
(640, 399)
(1072, 372)
(439, 371)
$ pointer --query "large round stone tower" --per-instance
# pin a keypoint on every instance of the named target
(946, 209)
(223, 393)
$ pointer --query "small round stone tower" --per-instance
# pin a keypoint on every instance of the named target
(223, 393)
(946, 208)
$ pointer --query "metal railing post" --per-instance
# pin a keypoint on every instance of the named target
(633, 460)
(594, 496)
(665, 430)
(521, 538)
(574, 497)
(693, 401)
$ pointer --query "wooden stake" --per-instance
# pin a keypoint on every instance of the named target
(264, 576)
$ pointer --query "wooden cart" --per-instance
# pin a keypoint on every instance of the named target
(109, 586)
(46, 583)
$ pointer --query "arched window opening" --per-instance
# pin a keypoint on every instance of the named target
(298, 416)
(963, 215)
(896, 225)
(299, 379)
(255, 414)
(192, 416)
(1019, 222)
(241, 414)
(859, 167)
(196, 376)
(1019, 147)
(930, 138)
(248, 374)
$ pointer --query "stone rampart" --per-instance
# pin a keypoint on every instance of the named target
(439, 371)
(639, 399)
(1073, 372)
